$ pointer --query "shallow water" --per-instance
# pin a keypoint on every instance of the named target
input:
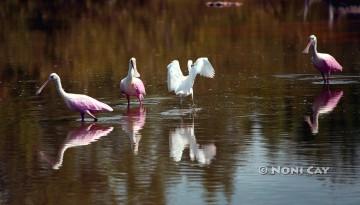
(266, 105)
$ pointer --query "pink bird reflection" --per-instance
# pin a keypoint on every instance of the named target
(324, 103)
(132, 123)
(80, 136)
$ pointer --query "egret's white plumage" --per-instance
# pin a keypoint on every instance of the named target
(183, 85)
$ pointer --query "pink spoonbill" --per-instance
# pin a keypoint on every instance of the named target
(324, 103)
(131, 85)
(80, 136)
(183, 85)
(77, 102)
(324, 62)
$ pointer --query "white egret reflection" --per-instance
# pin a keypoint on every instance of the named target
(183, 137)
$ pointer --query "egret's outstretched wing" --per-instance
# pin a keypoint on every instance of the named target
(203, 67)
(175, 75)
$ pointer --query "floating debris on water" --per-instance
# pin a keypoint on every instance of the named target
(180, 112)
(223, 4)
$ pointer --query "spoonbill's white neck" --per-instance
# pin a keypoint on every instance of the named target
(133, 73)
(313, 49)
(59, 88)
(130, 72)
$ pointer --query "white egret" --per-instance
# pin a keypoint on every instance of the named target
(183, 85)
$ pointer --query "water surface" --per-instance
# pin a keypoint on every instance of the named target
(265, 107)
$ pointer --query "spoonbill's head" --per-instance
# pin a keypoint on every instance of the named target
(133, 68)
(52, 77)
(312, 42)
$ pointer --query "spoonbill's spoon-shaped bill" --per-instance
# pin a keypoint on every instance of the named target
(133, 66)
(42, 87)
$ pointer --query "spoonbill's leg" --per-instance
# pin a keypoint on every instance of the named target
(93, 116)
(326, 86)
(328, 78)
(139, 98)
(82, 117)
(323, 76)
(128, 99)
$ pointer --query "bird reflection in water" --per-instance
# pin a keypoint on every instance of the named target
(324, 103)
(184, 137)
(132, 123)
(80, 136)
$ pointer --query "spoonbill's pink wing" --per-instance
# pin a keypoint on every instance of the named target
(330, 62)
(139, 87)
(84, 102)
(175, 76)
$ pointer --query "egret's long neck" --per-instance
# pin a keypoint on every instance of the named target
(189, 65)
(192, 76)
(59, 88)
